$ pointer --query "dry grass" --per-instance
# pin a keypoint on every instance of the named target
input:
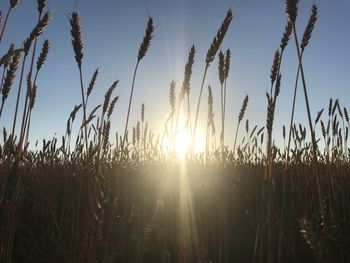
(90, 199)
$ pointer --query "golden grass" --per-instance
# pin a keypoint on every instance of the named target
(88, 199)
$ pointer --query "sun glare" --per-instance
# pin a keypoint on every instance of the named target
(182, 144)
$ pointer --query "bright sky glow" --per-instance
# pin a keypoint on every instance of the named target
(112, 32)
(182, 142)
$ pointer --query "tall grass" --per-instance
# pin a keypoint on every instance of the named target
(213, 49)
(95, 199)
(141, 54)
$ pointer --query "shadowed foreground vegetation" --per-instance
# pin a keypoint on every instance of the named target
(134, 199)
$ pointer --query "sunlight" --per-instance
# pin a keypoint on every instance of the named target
(182, 144)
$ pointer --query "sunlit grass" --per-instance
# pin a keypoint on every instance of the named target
(182, 143)
(94, 199)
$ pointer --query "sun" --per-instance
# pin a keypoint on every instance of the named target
(182, 144)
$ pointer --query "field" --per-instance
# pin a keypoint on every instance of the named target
(168, 196)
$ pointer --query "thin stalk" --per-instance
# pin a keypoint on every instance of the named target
(177, 117)
(26, 108)
(207, 142)
(2, 78)
(5, 22)
(100, 131)
(222, 117)
(280, 236)
(176, 123)
(224, 106)
(234, 144)
(314, 144)
(293, 110)
(199, 101)
(18, 96)
(129, 107)
(84, 108)
(171, 127)
(28, 116)
(2, 107)
(269, 132)
(26, 123)
(343, 141)
(189, 112)
(269, 160)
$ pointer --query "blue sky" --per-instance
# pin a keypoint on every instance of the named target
(113, 30)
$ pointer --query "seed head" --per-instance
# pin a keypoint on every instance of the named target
(227, 62)
(274, 67)
(92, 83)
(286, 35)
(243, 108)
(76, 38)
(10, 75)
(292, 9)
(13, 3)
(172, 96)
(43, 55)
(309, 28)
(111, 107)
(221, 67)
(41, 5)
(146, 39)
(108, 96)
(215, 45)
(188, 70)
(6, 59)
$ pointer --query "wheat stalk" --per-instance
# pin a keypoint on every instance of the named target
(221, 73)
(42, 23)
(186, 86)
(40, 62)
(172, 102)
(291, 6)
(141, 54)
(210, 120)
(13, 4)
(186, 83)
(91, 85)
(227, 70)
(5, 62)
(213, 49)
(8, 80)
(106, 101)
(240, 118)
(77, 44)
(36, 32)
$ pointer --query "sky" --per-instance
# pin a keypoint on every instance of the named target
(113, 30)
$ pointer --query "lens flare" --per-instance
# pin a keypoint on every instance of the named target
(183, 144)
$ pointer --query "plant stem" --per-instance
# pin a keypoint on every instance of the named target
(293, 110)
(21, 137)
(314, 144)
(222, 117)
(18, 96)
(189, 112)
(129, 107)
(2, 107)
(2, 78)
(199, 102)
(3, 27)
(234, 144)
(269, 132)
(84, 108)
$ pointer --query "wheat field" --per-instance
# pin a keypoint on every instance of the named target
(177, 194)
